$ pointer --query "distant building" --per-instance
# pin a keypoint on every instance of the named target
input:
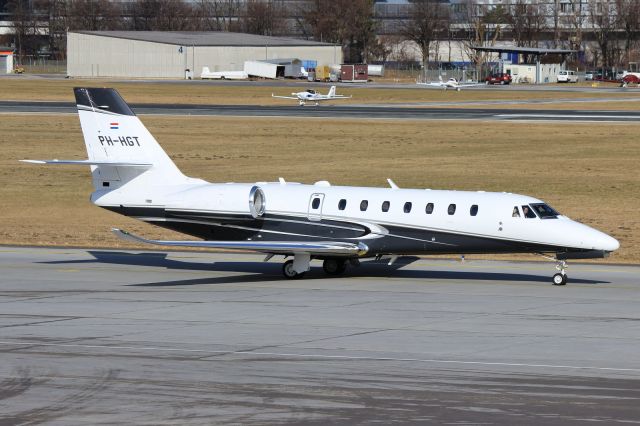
(159, 54)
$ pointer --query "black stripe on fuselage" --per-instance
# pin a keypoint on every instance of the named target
(219, 226)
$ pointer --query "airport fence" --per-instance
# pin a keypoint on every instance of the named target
(33, 65)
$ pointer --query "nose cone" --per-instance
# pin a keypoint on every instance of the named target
(601, 241)
(610, 243)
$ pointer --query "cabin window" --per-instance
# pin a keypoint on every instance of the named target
(528, 212)
(407, 207)
(342, 204)
(385, 206)
(474, 210)
(516, 212)
(363, 205)
(544, 211)
(315, 203)
(451, 210)
(429, 208)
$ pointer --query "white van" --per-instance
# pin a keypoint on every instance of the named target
(567, 76)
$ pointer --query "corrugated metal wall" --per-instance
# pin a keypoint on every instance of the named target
(97, 56)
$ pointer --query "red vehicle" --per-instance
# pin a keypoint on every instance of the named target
(498, 79)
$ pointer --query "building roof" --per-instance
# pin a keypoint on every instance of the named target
(201, 38)
(517, 49)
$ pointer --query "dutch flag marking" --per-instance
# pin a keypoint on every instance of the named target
(114, 126)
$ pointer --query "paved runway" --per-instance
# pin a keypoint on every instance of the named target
(104, 337)
(344, 111)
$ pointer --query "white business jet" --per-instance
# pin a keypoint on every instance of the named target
(452, 83)
(311, 95)
(133, 176)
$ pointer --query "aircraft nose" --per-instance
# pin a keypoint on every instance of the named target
(602, 241)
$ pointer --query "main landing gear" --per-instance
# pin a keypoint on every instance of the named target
(295, 268)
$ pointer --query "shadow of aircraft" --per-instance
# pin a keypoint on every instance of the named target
(271, 271)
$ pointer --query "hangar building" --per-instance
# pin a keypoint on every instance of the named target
(160, 54)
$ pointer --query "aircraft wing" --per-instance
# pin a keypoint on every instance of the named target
(340, 97)
(334, 248)
(284, 97)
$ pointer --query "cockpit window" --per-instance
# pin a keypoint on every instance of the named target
(516, 212)
(544, 211)
(528, 212)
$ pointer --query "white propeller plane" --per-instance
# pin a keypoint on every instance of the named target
(311, 95)
(133, 176)
(452, 83)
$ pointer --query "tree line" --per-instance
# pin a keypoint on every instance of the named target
(612, 26)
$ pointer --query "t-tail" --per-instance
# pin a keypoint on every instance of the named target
(332, 91)
(120, 149)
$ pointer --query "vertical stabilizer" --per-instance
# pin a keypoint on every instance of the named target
(332, 91)
(113, 134)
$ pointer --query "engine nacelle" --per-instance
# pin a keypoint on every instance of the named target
(257, 202)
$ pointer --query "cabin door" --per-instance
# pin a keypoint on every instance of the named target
(315, 207)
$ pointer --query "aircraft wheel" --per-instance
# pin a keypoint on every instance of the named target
(334, 266)
(559, 279)
(288, 272)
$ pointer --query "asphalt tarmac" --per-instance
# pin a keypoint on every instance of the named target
(129, 337)
(343, 111)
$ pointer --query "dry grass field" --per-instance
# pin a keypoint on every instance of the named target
(211, 93)
(586, 171)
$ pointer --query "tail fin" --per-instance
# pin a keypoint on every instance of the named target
(440, 78)
(332, 91)
(113, 134)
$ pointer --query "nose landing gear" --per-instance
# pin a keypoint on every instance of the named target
(561, 277)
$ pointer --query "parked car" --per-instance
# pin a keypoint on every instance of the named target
(498, 79)
(589, 75)
(567, 76)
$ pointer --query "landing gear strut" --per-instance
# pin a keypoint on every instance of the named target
(561, 277)
(295, 268)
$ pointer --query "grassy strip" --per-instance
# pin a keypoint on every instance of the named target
(211, 93)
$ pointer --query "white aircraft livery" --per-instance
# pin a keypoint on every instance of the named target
(339, 225)
(311, 95)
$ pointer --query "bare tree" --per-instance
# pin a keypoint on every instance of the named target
(265, 17)
(162, 15)
(604, 21)
(428, 20)
(349, 23)
(217, 15)
(628, 12)
(94, 15)
(25, 28)
(573, 18)
(528, 22)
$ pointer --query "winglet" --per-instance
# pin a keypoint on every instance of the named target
(392, 184)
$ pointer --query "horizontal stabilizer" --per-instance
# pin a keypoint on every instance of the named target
(277, 247)
(89, 163)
